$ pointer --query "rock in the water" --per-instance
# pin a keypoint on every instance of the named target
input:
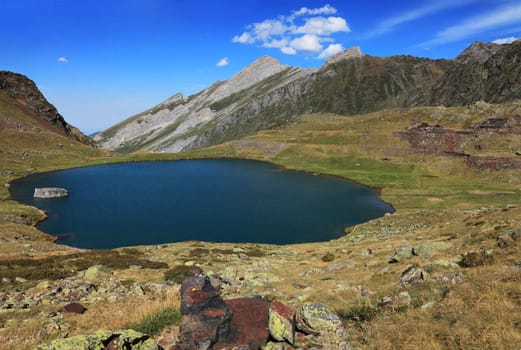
(50, 192)
(282, 322)
(73, 308)
(412, 276)
(316, 318)
(103, 339)
(206, 317)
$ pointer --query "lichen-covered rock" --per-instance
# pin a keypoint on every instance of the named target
(428, 249)
(104, 339)
(282, 322)
(316, 318)
(95, 272)
(401, 254)
(277, 346)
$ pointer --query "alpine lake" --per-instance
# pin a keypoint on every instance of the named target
(205, 200)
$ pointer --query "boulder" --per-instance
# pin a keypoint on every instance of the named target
(50, 192)
(413, 275)
(74, 308)
(249, 324)
(103, 339)
(401, 254)
(428, 249)
(205, 316)
(282, 322)
(316, 318)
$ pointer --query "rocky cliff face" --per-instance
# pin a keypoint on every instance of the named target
(24, 92)
(493, 76)
(267, 94)
(225, 110)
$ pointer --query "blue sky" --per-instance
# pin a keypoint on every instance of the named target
(101, 61)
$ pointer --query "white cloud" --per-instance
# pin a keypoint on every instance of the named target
(499, 18)
(288, 50)
(244, 38)
(325, 10)
(331, 50)
(391, 23)
(324, 26)
(268, 28)
(504, 41)
(276, 44)
(62, 59)
(308, 43)
(303, 31)
(223, 62)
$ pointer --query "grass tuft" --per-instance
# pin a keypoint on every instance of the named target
(155, 322)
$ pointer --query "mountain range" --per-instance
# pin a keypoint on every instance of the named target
(267, 93)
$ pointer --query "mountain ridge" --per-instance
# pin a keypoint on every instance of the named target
(266, 94)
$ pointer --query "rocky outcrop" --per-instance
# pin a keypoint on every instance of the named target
(478, 52)
(352, 52)
(25, 93)
(493, 77)
(50, 192)
(437, 140)
(209, 322)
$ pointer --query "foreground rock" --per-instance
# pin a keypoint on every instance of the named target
(247, 323)
(50, 192)
(206, 317)
(103, 339)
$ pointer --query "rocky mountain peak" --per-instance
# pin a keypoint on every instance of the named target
(352, 52)
(478, 52)
(259, 70)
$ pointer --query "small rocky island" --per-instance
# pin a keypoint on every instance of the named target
(50, 192)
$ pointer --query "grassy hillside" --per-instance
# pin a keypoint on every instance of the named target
(458, 219)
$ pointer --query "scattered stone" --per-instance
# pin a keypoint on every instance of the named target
(405, 297)
(73, 308)
(413, 275)
(282, 322)
(446, 263)
(50, 192)
(20, 280)
(428, 305)
(103, 339)
(386, 302)
(428, 249)
(453, 278)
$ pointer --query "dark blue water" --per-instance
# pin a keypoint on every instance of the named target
(208, 200)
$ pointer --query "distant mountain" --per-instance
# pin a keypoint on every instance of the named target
(19, 92)
(266, 94)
